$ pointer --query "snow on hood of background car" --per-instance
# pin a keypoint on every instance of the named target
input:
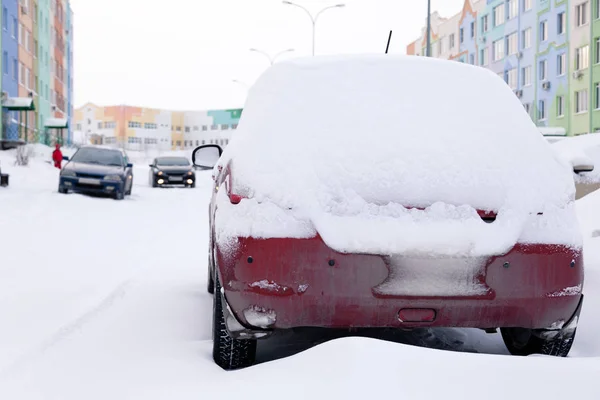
(347, 143)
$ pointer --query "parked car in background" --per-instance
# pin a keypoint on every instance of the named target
(97, 170)
(166, 171)
(343, 203)
(582, 154)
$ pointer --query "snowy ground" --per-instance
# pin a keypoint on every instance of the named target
(101, 299)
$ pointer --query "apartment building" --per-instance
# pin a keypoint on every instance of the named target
(547, 51)
(138, 128)
(37, 70)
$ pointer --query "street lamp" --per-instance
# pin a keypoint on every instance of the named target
(246, 86)
(313, 19)
(272, 59)
(428, 28)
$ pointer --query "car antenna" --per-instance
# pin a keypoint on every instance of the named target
(388, 43)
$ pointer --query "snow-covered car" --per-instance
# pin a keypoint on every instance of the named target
(97, 170)
(390, 192)
(166, 171)
(582, 154)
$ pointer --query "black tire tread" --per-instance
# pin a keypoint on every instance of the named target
(229, 353)
(559, 346)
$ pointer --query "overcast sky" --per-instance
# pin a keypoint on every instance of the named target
(184, 54)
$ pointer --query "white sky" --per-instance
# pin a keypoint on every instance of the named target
(184, 54)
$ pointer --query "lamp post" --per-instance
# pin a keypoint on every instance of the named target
(273, 58)
(428, 28)
(313, 18)
(240, 83)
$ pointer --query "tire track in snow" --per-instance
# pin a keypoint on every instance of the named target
(67, 330)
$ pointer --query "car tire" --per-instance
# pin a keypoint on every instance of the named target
(119, 195)
(128, 192)
(522, 342)
(63, 190)
(210, 286)
(229, 353)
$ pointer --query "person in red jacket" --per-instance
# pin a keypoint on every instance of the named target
(57, 157)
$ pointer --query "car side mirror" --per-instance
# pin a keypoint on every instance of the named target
(130, 165)
(579, 168)
(65, 158)
(151, 165)
(206, 156)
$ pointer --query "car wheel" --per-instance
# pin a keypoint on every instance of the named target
(210, 287)
(229, 353)
(128, 193)
(63, 190)
(119, 195)
(522, 342)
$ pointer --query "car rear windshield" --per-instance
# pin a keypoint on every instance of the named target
(98, 156)
(172, 161)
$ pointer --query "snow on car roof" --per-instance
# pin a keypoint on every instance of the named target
(360, 136)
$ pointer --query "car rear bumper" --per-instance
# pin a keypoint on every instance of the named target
(105, 187)
(286, 283)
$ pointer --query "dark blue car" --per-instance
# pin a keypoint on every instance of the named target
(97, 170)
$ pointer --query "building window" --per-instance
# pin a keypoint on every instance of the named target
(472, 59)
(561, 64)
(597, 59)
(527, 5)
(484, 59)
(543, 70)
(178, 129)
(498, 50)
(526, 75)
(513, 9)
(485, 23)
(543, 31)
(581, 14)
(597, 96)
(511, 78)
(234, 126)
(512, 44)
(195, 128)
(5, 19)
(541, 110)
(499, 17)
(561, 23)
(224, 127)
(187, 129)
(203, 142)
(5, 63)
(214, 127)
(15, 28)
(582, 59)
(473, 29)
(204, 128)
(581, 101)
(99, 125)
(134, 124)
(461, 33)
(560, 106)
(527, 107)
(527, 38)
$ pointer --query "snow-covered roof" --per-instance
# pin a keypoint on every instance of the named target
(349, 142)
(18, 103)
(56, 123)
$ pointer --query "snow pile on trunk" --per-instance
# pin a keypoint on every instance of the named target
(343, 145)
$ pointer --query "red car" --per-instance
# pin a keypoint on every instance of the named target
(390, 192)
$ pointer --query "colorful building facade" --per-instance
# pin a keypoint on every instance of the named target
(37, 63)
(547, 51)
(137, 128)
